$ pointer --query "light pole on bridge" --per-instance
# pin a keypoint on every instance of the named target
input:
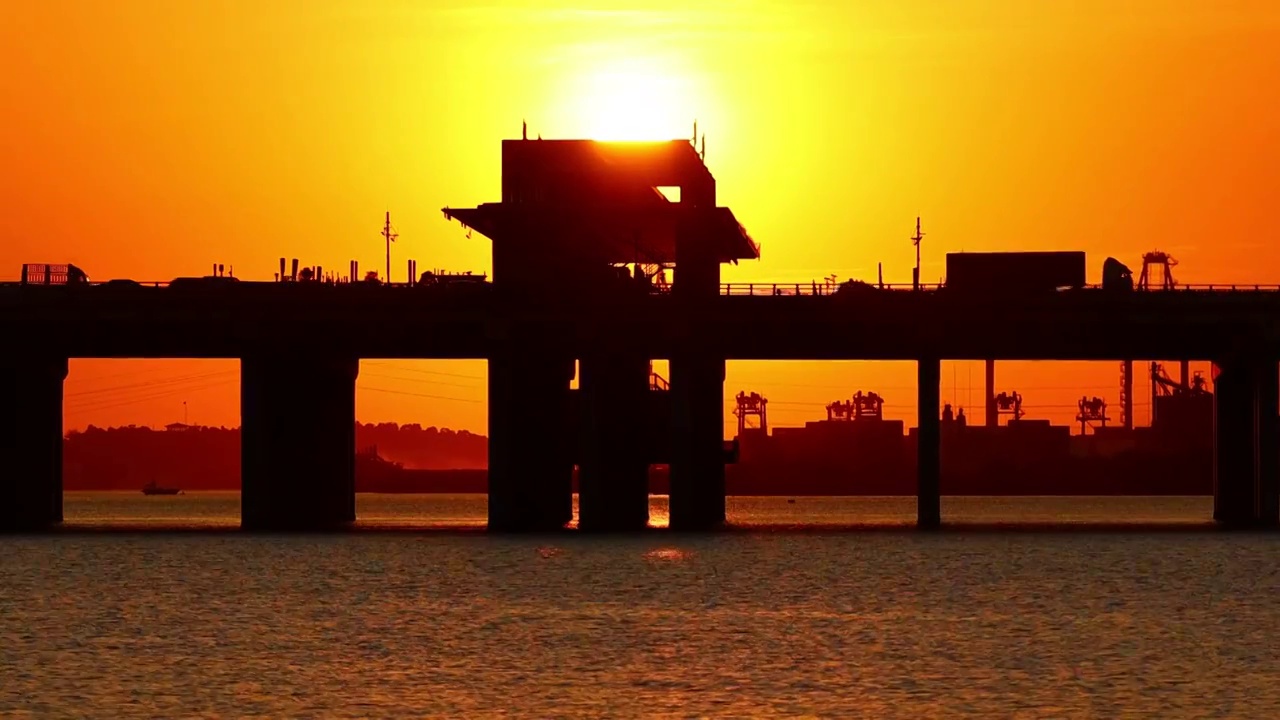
(390, 237)
(915, 239)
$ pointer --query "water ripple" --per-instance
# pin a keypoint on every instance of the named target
(1035, 625)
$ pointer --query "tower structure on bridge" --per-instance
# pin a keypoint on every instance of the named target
(1157, 271)
(582, 225)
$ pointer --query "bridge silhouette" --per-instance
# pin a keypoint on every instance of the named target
(582, 242)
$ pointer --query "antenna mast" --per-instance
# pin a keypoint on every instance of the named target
(391, 237)
(915, 239)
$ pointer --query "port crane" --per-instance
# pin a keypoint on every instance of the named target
(753, 405)
(862, 406)
(841, 410)
(868, 406)
(1162, 385)
(1010, 404)
(1092, 414)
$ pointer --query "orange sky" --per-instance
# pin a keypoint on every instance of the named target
(150, 139)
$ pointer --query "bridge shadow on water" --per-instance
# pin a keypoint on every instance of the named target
(218, 513)
(878, 528)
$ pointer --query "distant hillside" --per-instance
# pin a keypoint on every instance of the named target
(208, 458)
(427, 448)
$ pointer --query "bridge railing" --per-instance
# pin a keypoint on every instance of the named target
(760, 289)
(824, 288)
(807, 288)
(1221, 287)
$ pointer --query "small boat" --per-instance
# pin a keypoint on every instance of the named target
(152, 488)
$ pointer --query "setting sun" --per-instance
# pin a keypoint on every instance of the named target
(634, 101)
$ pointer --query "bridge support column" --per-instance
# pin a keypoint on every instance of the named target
(929, 445)
(530, 459)
(297, 442)
(31, 442)
(1246, 482)
(613, 472)
(1267, 399)
(697, 442)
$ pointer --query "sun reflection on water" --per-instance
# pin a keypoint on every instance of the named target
(670, 554)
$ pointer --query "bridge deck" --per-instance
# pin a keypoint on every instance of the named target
(236, 319)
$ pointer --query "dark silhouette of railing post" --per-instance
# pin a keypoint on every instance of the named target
(31, 441)
(1246, 467)
(929, 444)
(613, 467)
(297, 427)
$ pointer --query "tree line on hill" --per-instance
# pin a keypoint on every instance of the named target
(197, 457)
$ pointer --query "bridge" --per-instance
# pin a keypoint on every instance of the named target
(582, 241)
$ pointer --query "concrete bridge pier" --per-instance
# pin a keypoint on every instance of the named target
(1246, 482)
(929, 444)
(1268, 438)
(697, 442)
(613, 471)
(530, 452)
(297, 435)
(31, 442)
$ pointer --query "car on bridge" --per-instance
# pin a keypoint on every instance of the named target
(855, 287)
(202, 282)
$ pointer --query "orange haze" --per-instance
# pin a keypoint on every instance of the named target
(150, 138)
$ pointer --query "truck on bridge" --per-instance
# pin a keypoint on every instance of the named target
(48, 274)
(1015, 272)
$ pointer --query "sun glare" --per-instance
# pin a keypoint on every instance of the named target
(634, 102)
